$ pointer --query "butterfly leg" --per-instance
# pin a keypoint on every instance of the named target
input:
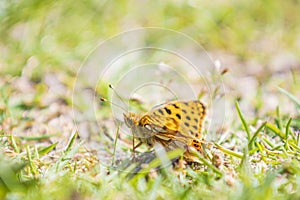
(135, 147)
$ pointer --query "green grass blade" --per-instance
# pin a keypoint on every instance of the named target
(13, 144)
(290, 96)
(250, 144)
(115, 145)
(245, 168)
(38, 137)
(155, 163)
(229, 152)
(46, 150)
(31, 164)
(208, 164)
(65, 158)
(298, 139)
(268, 142)
(71, 142)
(245, 125)
(275, 130)
(295, 146)
(287, 128)
(279, 121)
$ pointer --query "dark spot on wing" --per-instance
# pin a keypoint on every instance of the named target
(178, 116)
(196, 120)
(202, 105)
(183, 110)
(188, 118)
(160, 111)
(186, 124)
(203, 108)
(195, 127)
(197, 135)
(168, 110)
(175, 106)
(196, 145)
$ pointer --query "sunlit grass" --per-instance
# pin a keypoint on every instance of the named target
(268, 168)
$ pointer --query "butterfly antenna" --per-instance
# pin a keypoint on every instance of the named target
(119, 96)
(105, 100)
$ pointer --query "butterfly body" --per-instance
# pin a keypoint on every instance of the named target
(176, 124)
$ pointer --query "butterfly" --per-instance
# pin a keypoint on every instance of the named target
(175, 124)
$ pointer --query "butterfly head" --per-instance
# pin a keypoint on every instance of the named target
(139, 130)
(131, 119)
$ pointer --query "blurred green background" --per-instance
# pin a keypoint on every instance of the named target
(57, 35)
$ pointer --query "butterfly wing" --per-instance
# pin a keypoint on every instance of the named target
(179, 121)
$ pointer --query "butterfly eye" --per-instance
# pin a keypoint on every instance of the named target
(148, 127)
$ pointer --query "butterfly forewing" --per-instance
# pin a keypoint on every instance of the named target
(185, 118)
